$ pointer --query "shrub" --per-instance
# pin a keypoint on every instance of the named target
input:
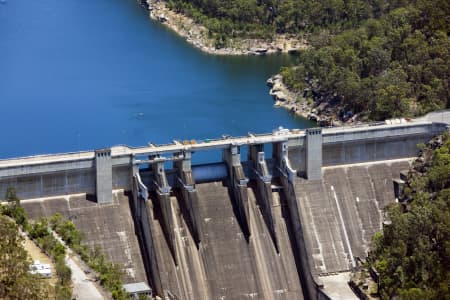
(63, 271)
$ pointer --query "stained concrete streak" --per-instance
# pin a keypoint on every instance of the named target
(340, 214)
(344, 230)
(343, 211)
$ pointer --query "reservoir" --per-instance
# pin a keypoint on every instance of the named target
(79, 75)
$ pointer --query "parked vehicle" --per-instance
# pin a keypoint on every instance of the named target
(43, 270)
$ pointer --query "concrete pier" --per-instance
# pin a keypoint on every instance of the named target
(314, 153)
(189, 197)
(103, 176)
(238, 184)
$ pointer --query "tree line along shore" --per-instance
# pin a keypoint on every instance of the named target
(357, 60)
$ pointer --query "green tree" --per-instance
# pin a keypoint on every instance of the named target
(63, 271)
(11, 196)
(14, 209)
(391, 102)
(412, 255)
(15, 280)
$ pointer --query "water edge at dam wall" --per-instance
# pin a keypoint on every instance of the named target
(81, 172)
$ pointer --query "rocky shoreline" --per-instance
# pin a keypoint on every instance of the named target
(284, 97)
(297, 104)
(197, 35)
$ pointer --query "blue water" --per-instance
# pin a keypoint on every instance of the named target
(88, 74)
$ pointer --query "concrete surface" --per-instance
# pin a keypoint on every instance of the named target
(226, 265)
(234, 255)
(121, 154)
(109, 226)
(314, 145)
(341, 213)
(337, 288)
(103, 176)
(437, 116)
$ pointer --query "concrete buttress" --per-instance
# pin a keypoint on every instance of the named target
(314, 153)
(238, 183)
(163, 195)
(189, 194)
(264, 187)
(287, 177)
(143, 213)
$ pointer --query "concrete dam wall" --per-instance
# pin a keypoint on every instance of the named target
(84, 172)
(260, 233)
(263, 228)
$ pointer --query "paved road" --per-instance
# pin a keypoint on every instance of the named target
(438, 116)
(82, 287)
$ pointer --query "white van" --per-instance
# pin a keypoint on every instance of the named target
(42, 269)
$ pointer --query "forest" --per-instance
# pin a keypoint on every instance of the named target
(412, 254)
(376, 59)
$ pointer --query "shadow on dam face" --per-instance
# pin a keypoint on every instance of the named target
(225, 264)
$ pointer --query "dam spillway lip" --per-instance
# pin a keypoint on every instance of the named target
(122, 150)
